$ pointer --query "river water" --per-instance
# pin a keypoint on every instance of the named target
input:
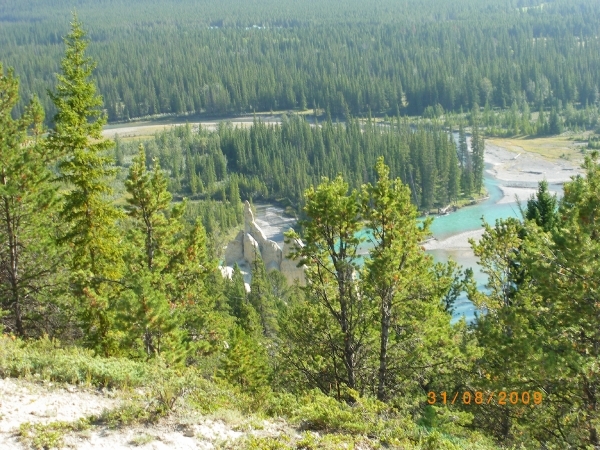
(274, 223)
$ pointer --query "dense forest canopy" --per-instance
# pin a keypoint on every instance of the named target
(385, 57)
(279, 162)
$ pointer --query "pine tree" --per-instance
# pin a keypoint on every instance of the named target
(478, 147)
(555, 125)
(85, 169)
(246, 364)
(331, 255)
(239, 306)
(465, 162)
(397, 269)
(453, 173)
(148, 205)
(500, 332)
(146, 316)
(29, 264)
(261, 299)
(566, 285)
(540, 330)
(542, 208)
(541, 126)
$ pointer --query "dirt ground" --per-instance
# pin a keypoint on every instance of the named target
(24, 401)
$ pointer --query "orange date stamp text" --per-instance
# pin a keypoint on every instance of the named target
(485, 398)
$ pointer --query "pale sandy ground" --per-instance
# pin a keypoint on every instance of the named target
(513, 194)
(513, 168)
(23, 401)
(149, 128)
(526, 167)
(456, 242)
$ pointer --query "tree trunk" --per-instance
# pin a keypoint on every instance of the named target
(345, 325)
(13, 270)
(386, 311)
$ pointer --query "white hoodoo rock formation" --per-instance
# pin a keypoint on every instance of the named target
(251, 243)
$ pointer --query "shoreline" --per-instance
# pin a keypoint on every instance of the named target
(525, 170)
(458, 241)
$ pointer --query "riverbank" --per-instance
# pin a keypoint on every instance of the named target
(516, 172)
(521, 169)
(455, 242)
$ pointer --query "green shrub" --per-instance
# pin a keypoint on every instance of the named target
(51, 435)
(130, 413)
(70, 365)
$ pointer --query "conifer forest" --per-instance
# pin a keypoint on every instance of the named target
(365, 122)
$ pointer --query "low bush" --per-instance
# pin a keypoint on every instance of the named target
(45, 436)
(73, 365)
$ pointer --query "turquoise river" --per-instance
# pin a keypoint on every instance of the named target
(271, 219)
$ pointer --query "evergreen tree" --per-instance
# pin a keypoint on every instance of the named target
(555, 125)
(399, 276)
(29, 265)
(331, 253)
(542, 208)
(85, 170)
(565, 270)
(540, 330)
(500, 330)
(239, 306)
(246, 364)
(478, 164)
(454, 174)
(261, 299)
(147, 318)
(465, 162)
(541, 126)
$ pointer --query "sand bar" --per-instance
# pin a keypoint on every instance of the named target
(457, 241)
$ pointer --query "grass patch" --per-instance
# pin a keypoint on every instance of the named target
(142, 439)
(73, 365)
(553, 147)
(51, 435)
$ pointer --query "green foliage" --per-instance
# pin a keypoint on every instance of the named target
(145, 284)
(262, 300)
(330, 254)
(69, 364)
(46, 436)
(300, 56)
(279, 162)
(384, 329)
(539, 332)
(142, 440)
(397, 272)
(165, 308)
(30, 267)
(246, 365)
(89, 216)
(147, 317)
(542, 208)
(84, 167)
(239, 306)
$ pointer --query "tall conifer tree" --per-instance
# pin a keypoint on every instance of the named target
(28, 257)
(85, 169)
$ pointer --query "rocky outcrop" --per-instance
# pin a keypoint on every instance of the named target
(235, 250)
(251, 249)
(289, 266)
(252, 243)
(272, 256)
